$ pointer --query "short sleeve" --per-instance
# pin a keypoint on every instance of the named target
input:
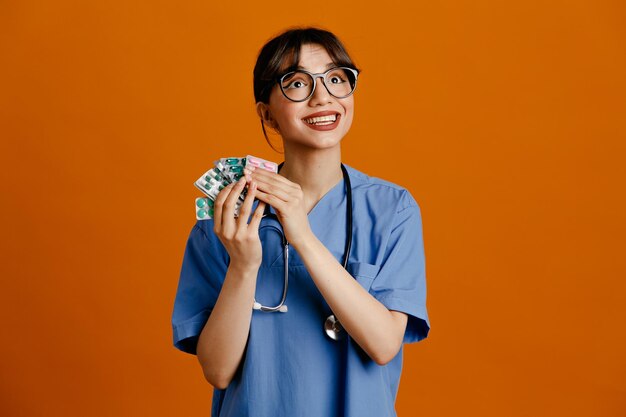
(401, 282)
(201, 278)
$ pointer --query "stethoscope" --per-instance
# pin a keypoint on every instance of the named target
(332, 326)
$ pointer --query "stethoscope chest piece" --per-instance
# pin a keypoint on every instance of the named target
(333, 328)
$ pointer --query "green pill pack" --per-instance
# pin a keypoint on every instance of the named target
(224, 172)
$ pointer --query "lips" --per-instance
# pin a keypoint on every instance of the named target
(321, 116)
(324, 120)
(321, 120)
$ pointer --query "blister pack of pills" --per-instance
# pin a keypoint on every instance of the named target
(232, 168)
(225, 171)
(204, 208)
(261, 163)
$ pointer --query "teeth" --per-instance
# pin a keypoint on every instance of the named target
(315, 120)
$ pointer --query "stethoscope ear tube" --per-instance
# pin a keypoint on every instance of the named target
(332, 326)
(348, 186)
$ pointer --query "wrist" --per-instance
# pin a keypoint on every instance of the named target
(305, 243)
(244, 269)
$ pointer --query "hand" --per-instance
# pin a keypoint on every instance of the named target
(240, 239)
(287, 199)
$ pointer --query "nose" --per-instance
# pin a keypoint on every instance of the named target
(320, 93)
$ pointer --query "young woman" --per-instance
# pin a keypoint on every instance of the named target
(330, 342)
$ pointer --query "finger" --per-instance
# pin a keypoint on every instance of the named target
(267, 175)
(217, 210)
(256, 217)
(246, 207)
(272, 200)
(228, 212)
(270, 186)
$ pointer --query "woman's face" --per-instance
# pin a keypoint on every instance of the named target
(290, 118)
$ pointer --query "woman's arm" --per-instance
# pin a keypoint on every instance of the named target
(377, 330)
(223, 339)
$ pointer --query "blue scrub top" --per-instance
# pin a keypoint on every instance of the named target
(290, 366)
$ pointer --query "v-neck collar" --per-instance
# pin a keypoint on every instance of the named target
(324, 198)
(323, 216)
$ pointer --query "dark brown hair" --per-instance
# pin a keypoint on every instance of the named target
(281, 54)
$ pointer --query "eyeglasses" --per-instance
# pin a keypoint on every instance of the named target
(299, 85)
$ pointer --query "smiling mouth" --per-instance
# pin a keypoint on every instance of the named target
(322, 120)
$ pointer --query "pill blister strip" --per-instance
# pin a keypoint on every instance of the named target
(224, 172)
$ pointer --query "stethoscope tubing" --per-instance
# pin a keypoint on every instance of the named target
(281, 306)
(332, 325)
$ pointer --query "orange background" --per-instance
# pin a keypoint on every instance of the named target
(505, 120)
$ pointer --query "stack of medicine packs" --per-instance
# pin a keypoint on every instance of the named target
(226, 171)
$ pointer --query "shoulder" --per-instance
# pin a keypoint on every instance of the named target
(204, 228)
(203, 238)
(380, 192)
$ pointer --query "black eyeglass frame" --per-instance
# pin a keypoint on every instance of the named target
(323, 75)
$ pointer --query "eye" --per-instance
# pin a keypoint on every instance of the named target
(337, 77)
(296, 84)
(296, 80)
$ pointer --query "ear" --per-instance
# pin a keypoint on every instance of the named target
(263, 111)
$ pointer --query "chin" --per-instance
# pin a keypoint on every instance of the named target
(327, 142)
(318, 140)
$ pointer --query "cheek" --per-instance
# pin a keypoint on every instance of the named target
(287, 118)
(280, 112)
(349, 112)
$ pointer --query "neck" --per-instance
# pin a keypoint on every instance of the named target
(316, 171)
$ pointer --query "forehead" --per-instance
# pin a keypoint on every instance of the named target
(312, 57)
(313, 52)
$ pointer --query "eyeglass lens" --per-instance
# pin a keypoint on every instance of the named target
(298, 85)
